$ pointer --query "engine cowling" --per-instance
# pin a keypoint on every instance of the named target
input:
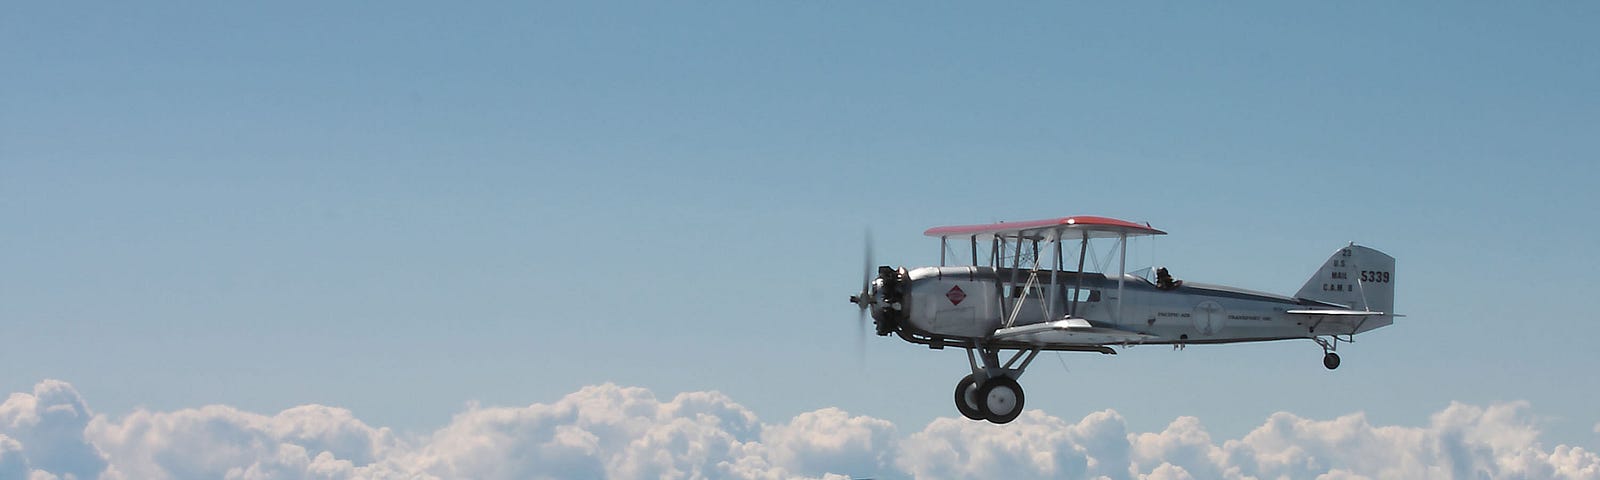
(889, 291)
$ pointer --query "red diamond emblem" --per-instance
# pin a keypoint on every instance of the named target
(955, 295)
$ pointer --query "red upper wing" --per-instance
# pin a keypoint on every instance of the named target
(1095, 227)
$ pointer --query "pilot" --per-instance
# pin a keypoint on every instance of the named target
(1164, 280)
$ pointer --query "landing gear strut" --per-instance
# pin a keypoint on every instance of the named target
(991, 392)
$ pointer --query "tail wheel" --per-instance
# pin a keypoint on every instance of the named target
(1331, 360)
(967, 398)
(1001, 399)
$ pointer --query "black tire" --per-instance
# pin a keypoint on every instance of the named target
(1331, 360)
(997, 394)
(969, 386)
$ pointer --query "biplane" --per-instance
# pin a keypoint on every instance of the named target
(1017, 293)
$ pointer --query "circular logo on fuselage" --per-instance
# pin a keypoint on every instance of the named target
(1208, 317)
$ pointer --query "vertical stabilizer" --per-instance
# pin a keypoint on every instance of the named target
(1356, 277)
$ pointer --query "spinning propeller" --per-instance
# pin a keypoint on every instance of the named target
(865, 299)
(880, 296)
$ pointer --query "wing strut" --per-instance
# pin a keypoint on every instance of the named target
(1055, 270)
(944, 246)
(1019, 295)
(974, 250)
(1122, 272)
(1083, 250)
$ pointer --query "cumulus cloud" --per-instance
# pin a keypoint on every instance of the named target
(610, 431)
(1036, 445)
(44, 432)
(310, 441)
(600, 431)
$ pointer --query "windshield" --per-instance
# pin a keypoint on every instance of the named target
(1148, 274)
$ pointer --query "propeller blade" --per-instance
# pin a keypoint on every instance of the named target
(866, 263)
(861, 338)
(866, 297)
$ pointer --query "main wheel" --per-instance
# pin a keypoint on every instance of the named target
(966, 398)
(1331, 360)
(1001, 399)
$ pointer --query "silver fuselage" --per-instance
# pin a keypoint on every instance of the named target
(965, 304)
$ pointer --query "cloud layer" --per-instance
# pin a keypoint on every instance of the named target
(610, 431)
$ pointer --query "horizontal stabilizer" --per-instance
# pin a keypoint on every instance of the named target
(1345, 313)
(1071, 331)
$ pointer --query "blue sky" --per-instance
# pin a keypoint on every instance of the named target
(401, 210)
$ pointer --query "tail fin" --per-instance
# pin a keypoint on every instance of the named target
(1356, 277)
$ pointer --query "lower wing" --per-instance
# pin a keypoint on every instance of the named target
(1071, 331)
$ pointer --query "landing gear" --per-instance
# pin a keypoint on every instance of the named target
(967, 398)
(1330, 360)
(991, 392)
(998, 400)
